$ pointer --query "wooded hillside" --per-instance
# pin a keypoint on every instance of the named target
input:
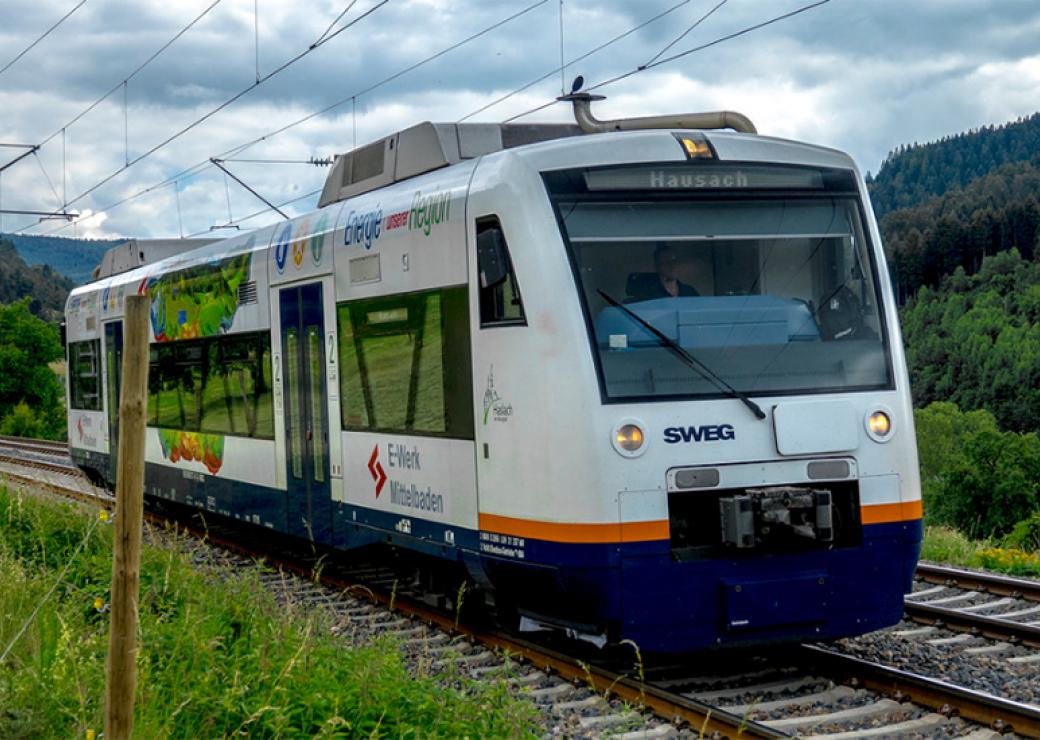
(45, 288)
(913, 173)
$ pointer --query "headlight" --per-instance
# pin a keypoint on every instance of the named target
(629, 438)
(879, 425)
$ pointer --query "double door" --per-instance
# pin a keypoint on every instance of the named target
(301, 310)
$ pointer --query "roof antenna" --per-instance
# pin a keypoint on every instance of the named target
(589, 124)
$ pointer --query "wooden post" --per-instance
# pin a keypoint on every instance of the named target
(121, 677)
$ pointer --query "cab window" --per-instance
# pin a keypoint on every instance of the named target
(500, 302)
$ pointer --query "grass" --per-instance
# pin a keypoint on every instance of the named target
(218, 657)
(944, 544)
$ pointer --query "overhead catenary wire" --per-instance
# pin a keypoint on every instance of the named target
(141, 66)
(686, 33)
(205, 117)
(321, 162)
(575, 60)
(563, 62)
(50, 183)
(680, 55)
(253, 215)
(200, 166)
(228, 173)
(387, 80)
(45, 34)
(334, 22)
(121, 84)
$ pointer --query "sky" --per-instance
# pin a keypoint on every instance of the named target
(863, 76)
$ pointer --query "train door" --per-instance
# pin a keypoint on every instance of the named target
(113, 376)
(301, 308)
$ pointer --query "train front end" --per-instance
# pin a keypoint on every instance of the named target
(734, 461)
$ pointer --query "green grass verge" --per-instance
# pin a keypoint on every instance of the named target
(217, 657)
(946, 545)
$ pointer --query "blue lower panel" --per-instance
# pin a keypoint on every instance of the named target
(750, 604)
(674, 606)
(638, 591)
(249, 503)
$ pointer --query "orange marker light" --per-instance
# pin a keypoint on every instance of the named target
(880, 424)
(630, 437)
(696, 148)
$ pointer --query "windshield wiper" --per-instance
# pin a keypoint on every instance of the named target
(692, 362)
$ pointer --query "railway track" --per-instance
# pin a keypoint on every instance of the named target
(812, 691)
(987, 605)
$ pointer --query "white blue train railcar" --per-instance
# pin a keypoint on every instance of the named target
(642, 384)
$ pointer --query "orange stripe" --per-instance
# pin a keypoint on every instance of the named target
(882, 513)
(569, 532)
(645, 531)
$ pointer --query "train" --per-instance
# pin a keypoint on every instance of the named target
(637, 380)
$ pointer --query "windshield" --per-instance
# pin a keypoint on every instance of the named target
(773, 291)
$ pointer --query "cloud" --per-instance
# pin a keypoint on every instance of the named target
(859, 76)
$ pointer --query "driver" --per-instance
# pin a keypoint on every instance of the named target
(666, 263)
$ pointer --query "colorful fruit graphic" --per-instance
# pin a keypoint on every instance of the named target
(207, 449)
(199, 301)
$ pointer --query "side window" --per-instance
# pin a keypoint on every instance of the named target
(405, 364)
(500, 303)
(85, 375)
(218, 386)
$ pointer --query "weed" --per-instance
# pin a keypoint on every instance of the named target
(458, 603)
(217, 656)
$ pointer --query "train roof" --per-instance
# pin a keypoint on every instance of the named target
(427, 147)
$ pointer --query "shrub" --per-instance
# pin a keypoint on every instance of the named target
(973, 476)
(1026, 534)
(992, 484)
(941, 430)
(22, 421)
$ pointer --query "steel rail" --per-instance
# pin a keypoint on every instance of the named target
(977, 624)
(994, 583)
(702, 718)
(63, 468)
(999, 714)
(36, 444)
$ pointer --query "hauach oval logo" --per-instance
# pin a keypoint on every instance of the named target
(702, 433)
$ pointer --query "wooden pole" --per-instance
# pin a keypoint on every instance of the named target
(121, 677)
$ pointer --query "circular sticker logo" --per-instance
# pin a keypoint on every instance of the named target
(318, 240)
(281, 250)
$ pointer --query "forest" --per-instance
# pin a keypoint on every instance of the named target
(913, 173)
(960, 221)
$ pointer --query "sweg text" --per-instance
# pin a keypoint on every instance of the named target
(703, 433)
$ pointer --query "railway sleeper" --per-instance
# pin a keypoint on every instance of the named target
(922, 726)
(830, 696)
(882, 708)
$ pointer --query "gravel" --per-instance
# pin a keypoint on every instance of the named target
(993, 674)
